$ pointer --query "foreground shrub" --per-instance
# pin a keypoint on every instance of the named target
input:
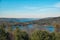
(42, 35)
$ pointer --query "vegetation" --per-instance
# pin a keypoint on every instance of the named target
(18, 34)
(2, 33)
(42, 35)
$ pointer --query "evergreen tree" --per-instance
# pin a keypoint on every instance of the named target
(2, 32)
(52, 36)
(17, 34)
(37, 35)
(24, 35)
(57, 35)
(42, 35)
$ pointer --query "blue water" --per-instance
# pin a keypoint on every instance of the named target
(49, 28)
(29, 27)
(26, 19)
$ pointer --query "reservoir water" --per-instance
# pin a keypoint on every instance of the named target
(32, 27)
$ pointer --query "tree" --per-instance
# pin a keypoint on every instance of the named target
(17, 34)
(9, 28)
(42, 35)
(2, 32)
(57, 27)
(37, 35)
(24, 35)
(52, 36)
(57, 36)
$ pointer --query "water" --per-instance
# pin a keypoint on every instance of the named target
(26, 19)
(30, 27)
(50, 28)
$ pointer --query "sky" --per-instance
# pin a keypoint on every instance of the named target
(29, 8)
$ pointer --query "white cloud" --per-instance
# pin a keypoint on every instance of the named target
(32, 8)
(42, 13)
(50, 9)
(57, 5)
(31, 15)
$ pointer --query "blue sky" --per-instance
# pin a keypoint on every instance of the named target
(29, 8)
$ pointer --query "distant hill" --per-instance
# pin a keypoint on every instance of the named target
(16, 19)
(31, 23)
(43, 21)
(49, 20)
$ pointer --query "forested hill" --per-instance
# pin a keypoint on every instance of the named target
(43, 21)
(16, 19)
(49, 20)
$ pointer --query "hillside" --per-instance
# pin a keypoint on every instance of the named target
(31, 20)
(48, 21)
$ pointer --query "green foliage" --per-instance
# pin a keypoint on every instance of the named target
(42, 35)
(23, 35)
(2, 33)
(57, 36)
(17, 34)
(20, 35)
(52, 36)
